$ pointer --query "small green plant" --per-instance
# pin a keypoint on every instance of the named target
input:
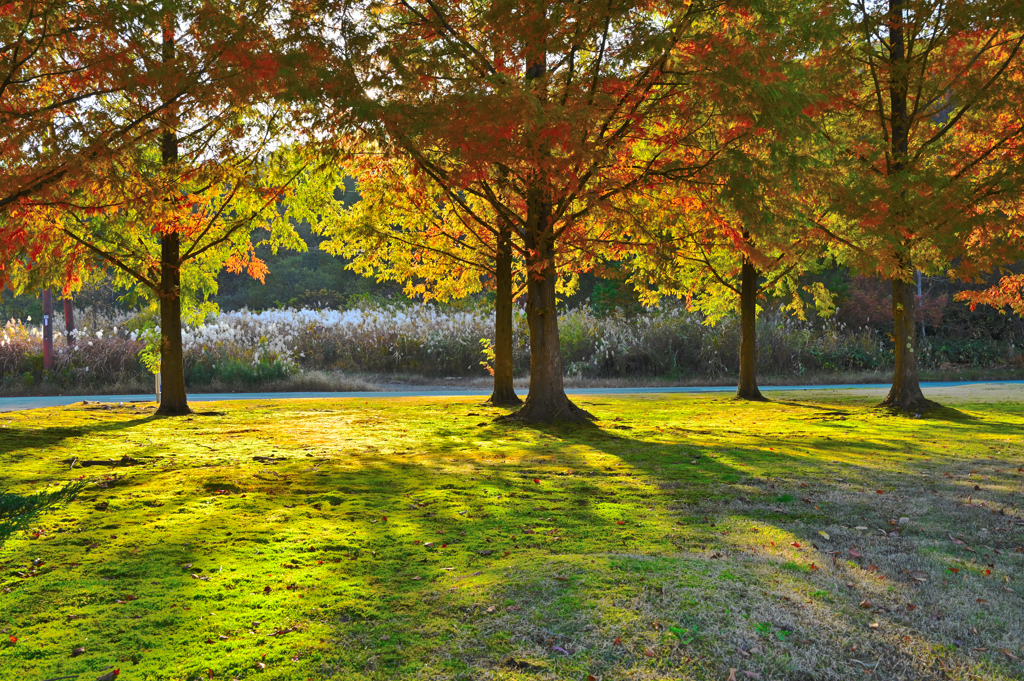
(766, 630)
(686, 635)
(18, 510)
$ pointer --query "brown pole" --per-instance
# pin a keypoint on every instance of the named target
(47, 330)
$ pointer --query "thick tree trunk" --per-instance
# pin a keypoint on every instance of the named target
(173, 400)
(504, 394)
(747, 389)
(905, 394)
(547, 400)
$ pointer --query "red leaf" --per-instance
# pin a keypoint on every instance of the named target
(536, 481)
(384, 518)
(14, 639)
(266, 590)
(796, 544)
(617, 641)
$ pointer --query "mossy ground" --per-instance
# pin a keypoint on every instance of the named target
(678, 537)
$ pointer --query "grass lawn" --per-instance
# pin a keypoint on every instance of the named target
(680, 537)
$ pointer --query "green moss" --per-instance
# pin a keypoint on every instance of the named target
(365, 539)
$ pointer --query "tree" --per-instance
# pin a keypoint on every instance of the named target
(926, 141)
(185, 208)
(531, 109)
(749, 222)
(722, 260)
(404, 229)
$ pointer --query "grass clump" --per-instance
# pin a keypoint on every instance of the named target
(678, 537)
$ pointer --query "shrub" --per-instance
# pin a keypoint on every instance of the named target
(245, 349)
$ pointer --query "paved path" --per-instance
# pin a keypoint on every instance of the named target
(18, 403)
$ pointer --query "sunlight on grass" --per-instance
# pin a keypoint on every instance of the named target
(677, 537)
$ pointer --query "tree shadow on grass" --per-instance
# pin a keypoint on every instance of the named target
(18, 438)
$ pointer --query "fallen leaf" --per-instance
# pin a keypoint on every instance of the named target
(649, 653)
(13, 639)
(75, 652)
(732, 675)
(854, 553)
(109, 676)
(796, 544)
(824, 534)
(1010, 655)
(865, 604)
(536, 480)
(981, 601)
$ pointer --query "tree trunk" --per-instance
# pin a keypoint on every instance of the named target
(173, 400)
(547, 400)
(747, 389)
(504, 394)
(905, 394)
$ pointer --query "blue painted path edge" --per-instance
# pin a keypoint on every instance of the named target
(19, 403)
